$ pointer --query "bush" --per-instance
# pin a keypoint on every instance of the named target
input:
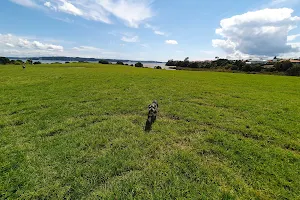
(17, 62)
(120, 63)
(37, 63)
(67, 62)
(139, 64)
(294, 71)
(131, 65)
(103, 62)
(157, 67)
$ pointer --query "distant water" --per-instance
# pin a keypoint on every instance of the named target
(146, 64)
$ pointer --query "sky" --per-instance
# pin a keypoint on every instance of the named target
(151, 29)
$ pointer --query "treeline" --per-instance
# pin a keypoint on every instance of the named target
(238, 65)
(7, 61)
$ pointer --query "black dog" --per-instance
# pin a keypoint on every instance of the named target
(152, 112)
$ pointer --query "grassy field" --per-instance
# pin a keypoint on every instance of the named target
(75, 131)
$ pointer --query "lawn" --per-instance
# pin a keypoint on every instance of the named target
(75, 131)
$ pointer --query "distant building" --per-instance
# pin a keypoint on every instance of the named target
(251, 61)
(295, 61)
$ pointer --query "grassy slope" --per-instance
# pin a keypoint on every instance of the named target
(78, 133)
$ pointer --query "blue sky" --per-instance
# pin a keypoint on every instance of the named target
(150, 29)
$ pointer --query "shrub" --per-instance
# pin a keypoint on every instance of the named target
(131, 65)
(120, 63)
(17, 62)
(294, 71)
(37, 63)
(103, 62)
(67, 62)
(139, 64)
(157, 67)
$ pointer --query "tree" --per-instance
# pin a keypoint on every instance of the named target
(283, 66)
(37, 63)
(187, 59)
(4, 61)
(120, 63)
(29, 61)
(139, 64)
(294, 71)
(171, 63)
(103, 62)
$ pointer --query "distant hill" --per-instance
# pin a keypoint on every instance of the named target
(59, 58)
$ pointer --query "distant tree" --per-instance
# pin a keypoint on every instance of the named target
(103, 62)
(283, 66)
(67, 62)
(157, 67)
(18, 62)
(139, 64)
(286, 65)
(131, 65)
(29, 61)
(187, 59)
(37, 63)
(171, 63)
(4, 61)
(222, 62)
(193, 65)
(293, 71)
(120, 63)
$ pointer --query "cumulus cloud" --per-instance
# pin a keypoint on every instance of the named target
(130, 39)
(171, 42)
(11, 45)
(132, 12)
(263, 33)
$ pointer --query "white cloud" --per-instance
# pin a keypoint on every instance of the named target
(159, 33)
(132, 12)
(26, 3)
(130, 39)
(154, 29)
(20, 46)
(86, 48)
(262, 33)
(47, 4)
(11, 44)
(292, 37)
(171, 42)
(69, 8)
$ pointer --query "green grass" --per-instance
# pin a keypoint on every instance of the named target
(75, 131)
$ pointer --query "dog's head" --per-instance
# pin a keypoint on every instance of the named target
(153, 107)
